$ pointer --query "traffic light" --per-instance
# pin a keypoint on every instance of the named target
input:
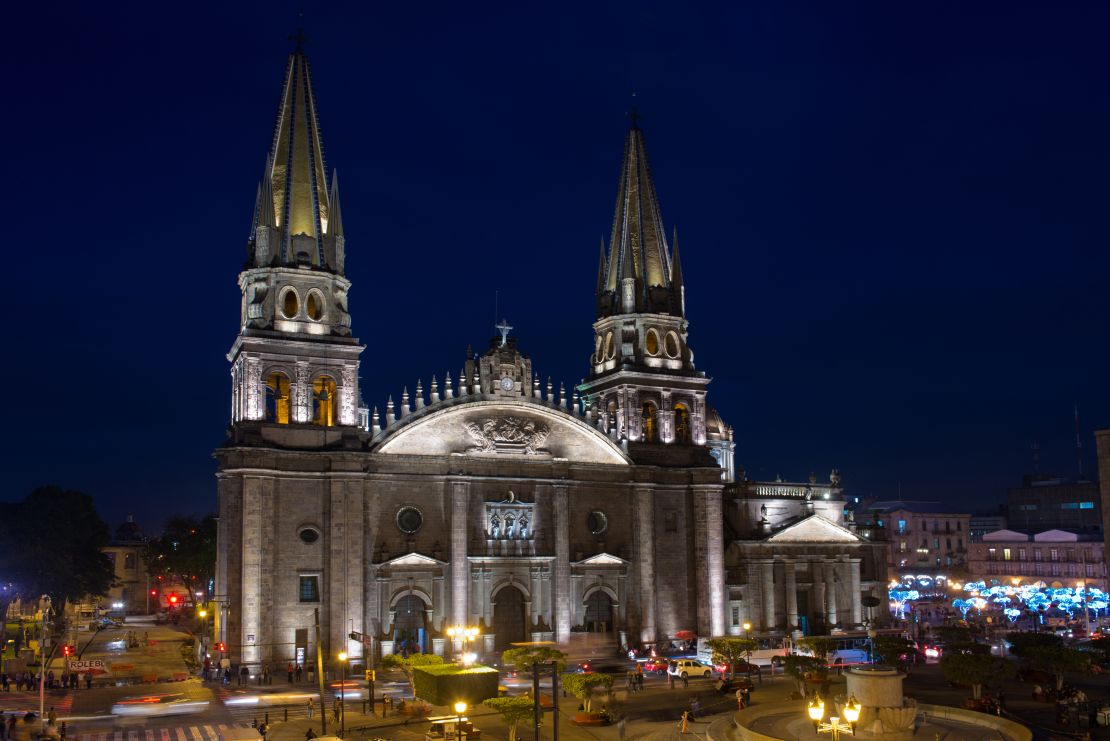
(154, 593)
(221, 647)
(173, 599)
(67, 650)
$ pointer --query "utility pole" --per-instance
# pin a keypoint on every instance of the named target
(320, 676)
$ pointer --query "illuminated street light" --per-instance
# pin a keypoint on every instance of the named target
(816, 710)
(342, 695)
(466, 635)
(460, 708)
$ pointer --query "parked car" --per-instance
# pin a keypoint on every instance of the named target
(690, 668)
(742, 668)
(656, 666)
(605, 666)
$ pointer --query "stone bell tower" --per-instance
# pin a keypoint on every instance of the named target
(642, 383)
(295, 361)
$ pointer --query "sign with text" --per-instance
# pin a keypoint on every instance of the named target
(89, 666)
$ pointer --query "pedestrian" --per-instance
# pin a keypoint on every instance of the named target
(620, 728)
(289, 672)
(309, 735)
(685, 682)
(62, 732)
(244, 675)
(336, 709)
(88, 680)
(11, 727)
(695, 707)
(51, 716)
(310, 710)
(298, 673)
(670, 681)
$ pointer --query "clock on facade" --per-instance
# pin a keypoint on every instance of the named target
(507, 384)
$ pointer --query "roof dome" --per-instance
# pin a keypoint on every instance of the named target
(129, 530)
(715, 427)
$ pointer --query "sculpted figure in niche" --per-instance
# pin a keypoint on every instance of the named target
(495, 527)
(509, 526)
(523, 525)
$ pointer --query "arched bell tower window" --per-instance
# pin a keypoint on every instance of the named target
(290, 303)
(681, 423)
(651, 424)
(324, 402)
(314, 306)
(277, 398)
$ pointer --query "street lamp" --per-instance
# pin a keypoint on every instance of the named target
(342, 695)
(851, 712)
(816, 710)
(464, 634)
(460, 708)
(747, 634)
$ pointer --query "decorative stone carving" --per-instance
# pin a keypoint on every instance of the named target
(508, 435)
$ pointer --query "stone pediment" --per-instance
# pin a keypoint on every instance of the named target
(602, 559)
(815, 529)
(414, 559)
(495, 428)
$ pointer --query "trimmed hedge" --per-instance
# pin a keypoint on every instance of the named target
(446, 684)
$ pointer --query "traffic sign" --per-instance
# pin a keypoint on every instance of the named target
(370, 676)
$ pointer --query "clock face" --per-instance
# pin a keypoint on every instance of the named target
(507, 384)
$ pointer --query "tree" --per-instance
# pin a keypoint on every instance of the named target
(950, 634)
(1021, 642)
(1056, 660)
(522, 659)
(186, 550)
(512, 709)
(583, 686)
(53, 543)
(798, 666)
(889, 649)
(730, 651)
(820, 646)
(975, 670)
(408, 664)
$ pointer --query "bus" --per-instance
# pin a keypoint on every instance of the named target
(852, 647)
(767, 648)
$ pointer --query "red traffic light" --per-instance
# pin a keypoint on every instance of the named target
(221, 647)
(154, 593)
(173, 599)
(67, 650)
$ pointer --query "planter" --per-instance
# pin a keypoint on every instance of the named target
(590, 719)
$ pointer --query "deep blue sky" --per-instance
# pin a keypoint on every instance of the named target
(892, 218)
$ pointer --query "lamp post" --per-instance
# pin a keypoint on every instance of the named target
(465, 634)
(460, 708)
(342, 694)
(871, 633)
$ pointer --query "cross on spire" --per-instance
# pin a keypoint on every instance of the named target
(504, 328)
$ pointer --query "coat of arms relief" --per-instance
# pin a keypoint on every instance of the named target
(508, 435)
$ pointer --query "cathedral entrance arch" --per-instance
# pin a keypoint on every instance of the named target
(410, 633)
(599, 612)
(508, 617)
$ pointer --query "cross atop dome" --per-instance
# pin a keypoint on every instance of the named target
(504, 328)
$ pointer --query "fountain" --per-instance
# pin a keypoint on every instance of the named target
(884, 713)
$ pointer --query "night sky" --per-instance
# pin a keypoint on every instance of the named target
(892, 220)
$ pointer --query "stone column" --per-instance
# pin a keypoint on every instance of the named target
(767, 572)
(252, 571)
(561, 508)
(830, 594)
(644, 532)
(336, 577)
(460, 568)
(854, 591)
(817, 574)
(709, 552)
(790, 586)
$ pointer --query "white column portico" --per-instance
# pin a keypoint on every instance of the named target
(790, 586)
(767, 574)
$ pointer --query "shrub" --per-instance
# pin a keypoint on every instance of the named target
(446, 684)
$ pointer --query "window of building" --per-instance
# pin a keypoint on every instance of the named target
(902, 547)
(1069, 505)
(681, 424)
(960, 543)
(310, 589)
(1086, 505)
(1036, 554)
(959, 526)
(1006, 554)
(651, 428)
(1055, 569)
(901, 527)
(936, 544)
(991, 554)
(325, 403)
(735, 615)
(129, 561)
(1021, 554)
(670, 521)
(948, 543)
(1053, 554)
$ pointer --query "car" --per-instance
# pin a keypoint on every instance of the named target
(688, 668)
(656, 666)
(604, 666)
(740, 668)
(151, 705)
(240, 697)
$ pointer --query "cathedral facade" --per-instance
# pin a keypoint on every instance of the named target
(490, 498)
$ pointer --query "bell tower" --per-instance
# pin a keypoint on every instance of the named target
(295, 361)
(642, 383)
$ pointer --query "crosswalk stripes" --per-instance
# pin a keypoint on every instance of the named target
(209, 732)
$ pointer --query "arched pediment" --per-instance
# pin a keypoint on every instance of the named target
(498, 427)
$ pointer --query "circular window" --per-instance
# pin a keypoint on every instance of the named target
(289, 304)
(597, 348)
(671, 345)
(308, 535)
(610, 350)
(314, 306)
(409, 520)
(652, 342)
(597, 522)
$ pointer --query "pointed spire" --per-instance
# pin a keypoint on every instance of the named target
(434, 391)
(447, 392)
(375, 422)
(678, 286)
(405, 402)
(419, 394)
(638, 243)
(390, 415)
(462, 382)
(601, 267)
(335, 217)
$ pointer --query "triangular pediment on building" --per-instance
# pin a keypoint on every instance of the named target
(602, 559)
(1002, 536)
(815, 529)
(414, 559)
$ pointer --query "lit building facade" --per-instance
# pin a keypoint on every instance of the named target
(924, 539)
(488, 498)
(1056, 557)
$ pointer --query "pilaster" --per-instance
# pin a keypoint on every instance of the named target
(561, 509)
(644, 533)
(460, 492)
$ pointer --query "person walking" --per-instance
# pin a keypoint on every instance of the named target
(685, 682)
(310, 710)
(51, 716)
(289, 672)
(670, 681)
(336, 710)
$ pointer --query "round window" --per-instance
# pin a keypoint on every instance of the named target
(610, 350)
(308, 535)
(671, 345)
(597, 348)
(652, 342)
(289, 304)
(597, 522)
(409, 520)
(314, 307)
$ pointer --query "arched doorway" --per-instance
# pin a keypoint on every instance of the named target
(599, 612)
(409, 629)
(508, 617)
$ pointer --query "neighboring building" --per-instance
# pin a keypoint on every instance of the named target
(485, 500)
(1102, 446)
(980, 525)
(925, 538)
(130, 588)
(1056, 557)
(1050, 503)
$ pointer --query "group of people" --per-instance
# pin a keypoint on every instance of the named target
(29, 682)
(636, 679)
